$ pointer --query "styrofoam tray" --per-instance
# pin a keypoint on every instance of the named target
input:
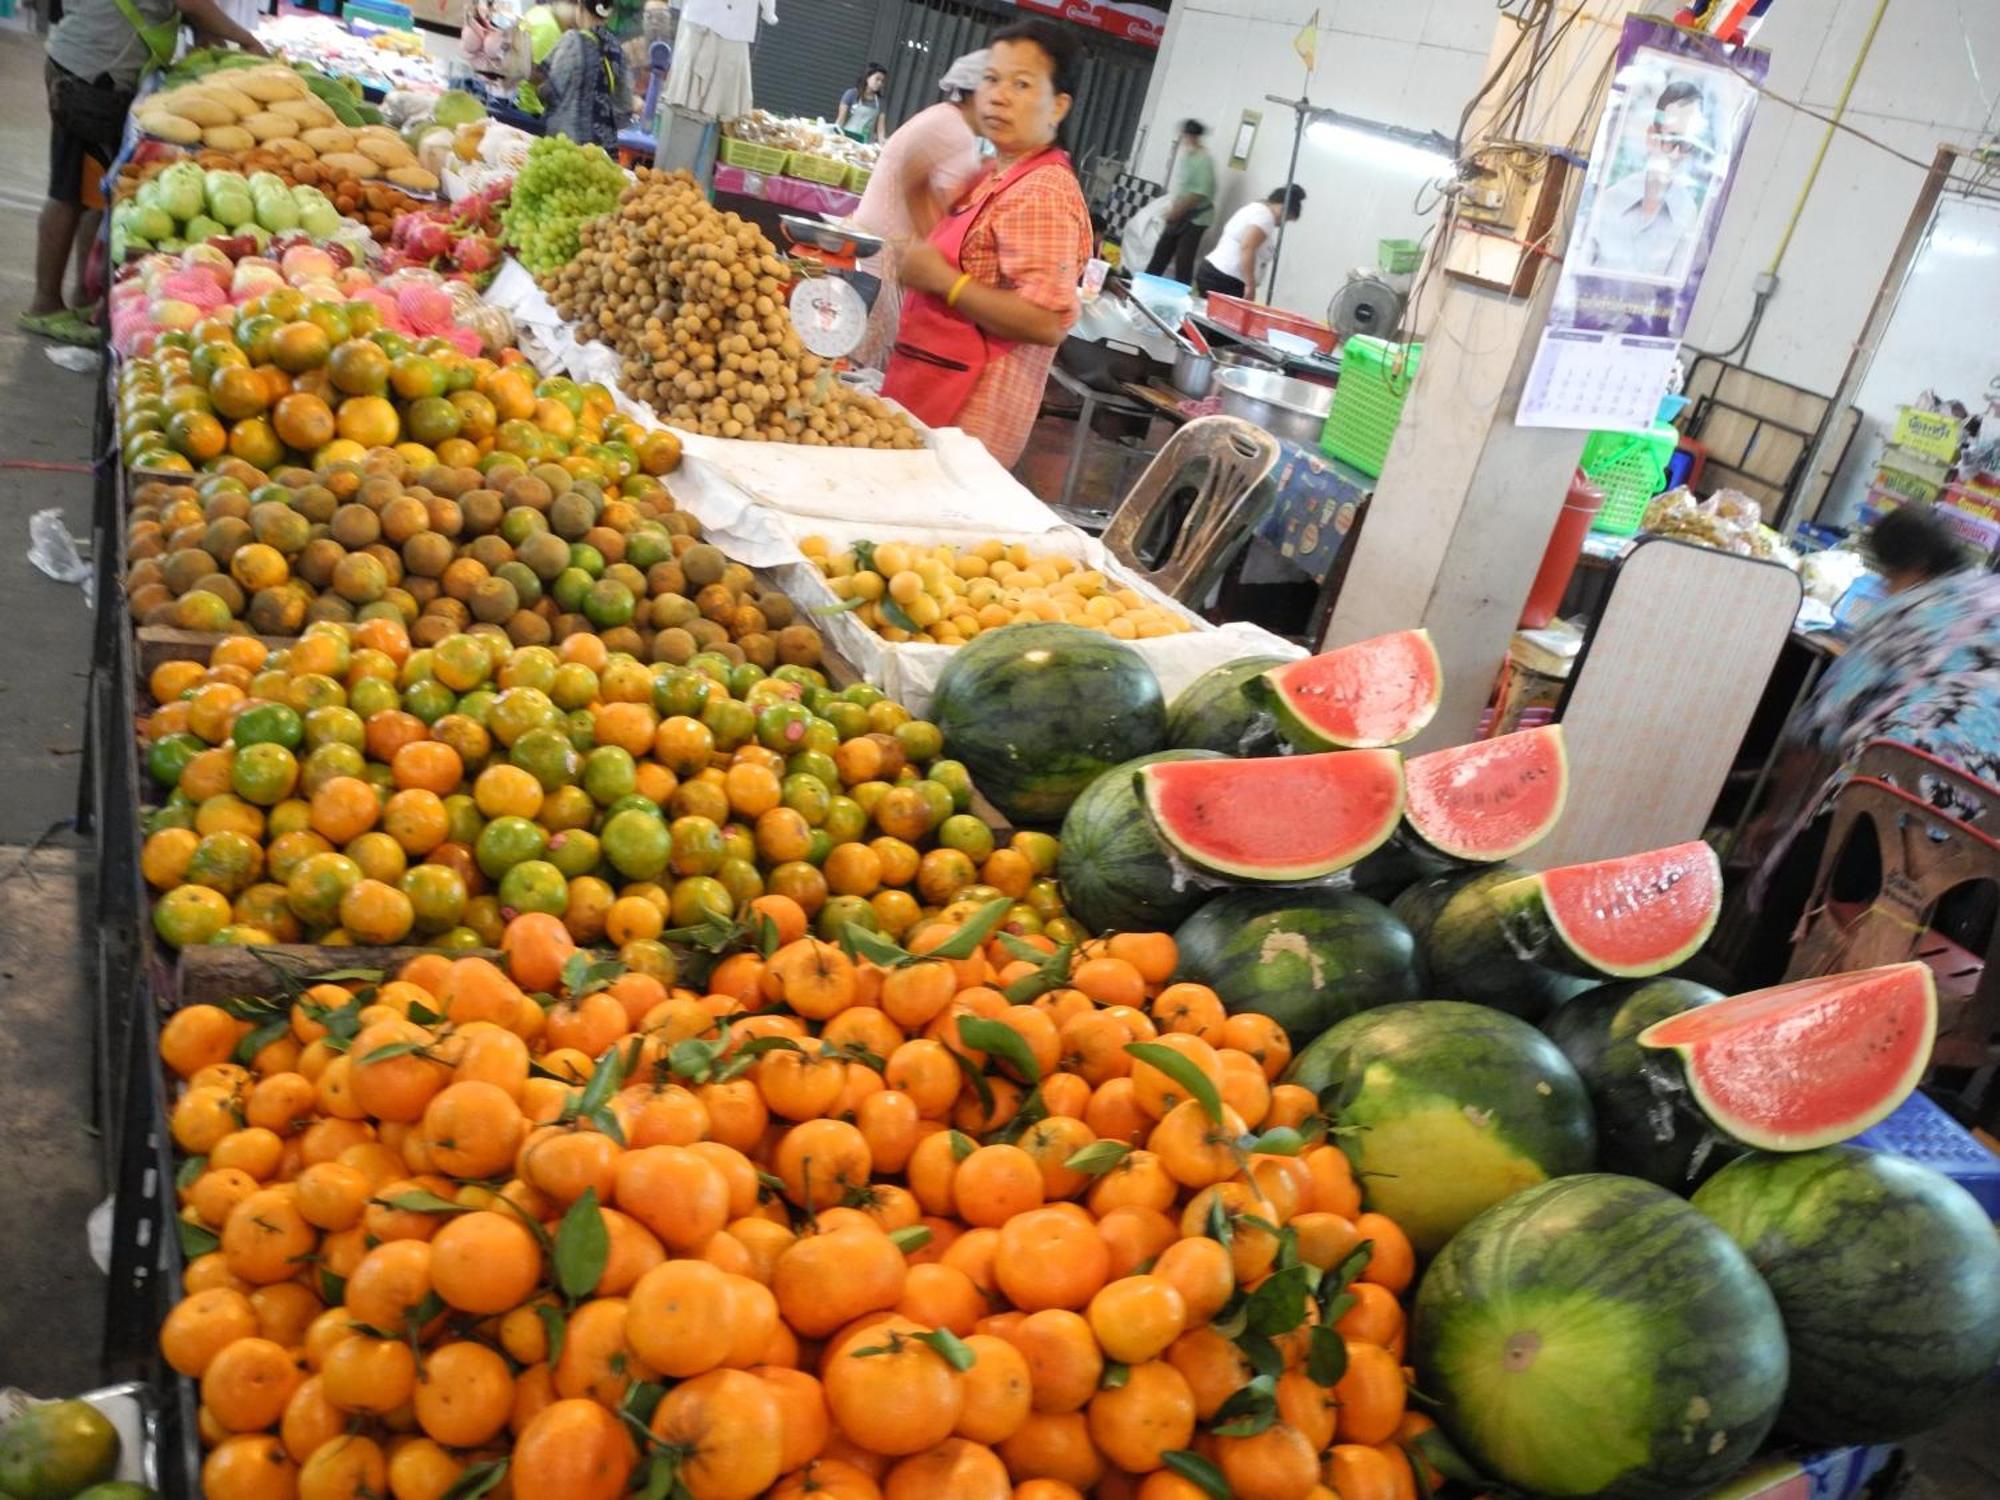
(909, 670)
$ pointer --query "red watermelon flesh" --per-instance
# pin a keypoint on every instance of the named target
(1630, 918)
(1284, 819)
(1490, 800)
(1373, 693)
(1807, 1064)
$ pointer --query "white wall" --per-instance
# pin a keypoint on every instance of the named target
(1916, 91)
(1415, 63)
(1404, 62)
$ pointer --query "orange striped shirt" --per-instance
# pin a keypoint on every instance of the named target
(1033, 243)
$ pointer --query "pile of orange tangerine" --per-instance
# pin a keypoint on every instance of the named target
(790, 1233)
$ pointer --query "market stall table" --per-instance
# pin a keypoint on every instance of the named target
(1091, 401)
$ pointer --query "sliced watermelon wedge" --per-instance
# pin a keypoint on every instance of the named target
(1373, 693)
(1630, 918)
(1287, 819)
(1807, 1064)
(1488, 801)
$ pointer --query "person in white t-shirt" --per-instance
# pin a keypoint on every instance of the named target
(1242, 256)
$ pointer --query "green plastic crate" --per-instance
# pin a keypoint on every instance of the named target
(1375, 380)
(1399, 256)
(1631, 468)
(827, 171)
(751, 157)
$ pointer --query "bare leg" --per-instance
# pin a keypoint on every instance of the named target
(87, 225)
(54, 234)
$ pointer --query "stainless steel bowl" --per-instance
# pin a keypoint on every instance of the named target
(1291, 409)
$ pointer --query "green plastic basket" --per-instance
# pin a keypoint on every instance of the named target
(1375, 380)
(751, 157)
(1398, 256)
(827, 171)
(857, 179)
(1631, 468)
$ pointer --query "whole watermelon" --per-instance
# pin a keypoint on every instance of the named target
(1598, 1336)
(1304, 958)
(1450, 1108)
(1117, 874)
(1465, 948)
(1038, 712)
(1888, 1276)
(1647, 1125)
(1212, 712)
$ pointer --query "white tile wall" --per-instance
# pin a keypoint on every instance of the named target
(1415, 62)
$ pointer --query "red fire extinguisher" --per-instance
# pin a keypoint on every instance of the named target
(1580, 508)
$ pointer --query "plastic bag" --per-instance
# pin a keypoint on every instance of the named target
(53, 551)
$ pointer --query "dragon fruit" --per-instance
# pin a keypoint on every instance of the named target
(475, 254)
(421, 237)
(465, 340)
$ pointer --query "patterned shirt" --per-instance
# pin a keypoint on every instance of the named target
(1034, 244)
(1924, 670)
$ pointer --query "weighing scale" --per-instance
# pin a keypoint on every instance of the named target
(827, 310)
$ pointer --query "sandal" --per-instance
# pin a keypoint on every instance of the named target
(63, 326)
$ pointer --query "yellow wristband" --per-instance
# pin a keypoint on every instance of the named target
(957, 287)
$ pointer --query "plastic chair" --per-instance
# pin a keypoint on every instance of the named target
(1195, 506)
(637, 142)
(1925, 855)
(1944, 786)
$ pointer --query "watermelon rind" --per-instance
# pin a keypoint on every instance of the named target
(1446, 1109)
(1037, 712)
(1535, 926)
(1117, 874)
(1290, 691)
(1648, 1123)
(1598, 1336)
(1156, 784)
(1549, 758)
(1888, 1276)
(1305, 958)
(1783, 1047)
(1214, 713)
(1462, 938)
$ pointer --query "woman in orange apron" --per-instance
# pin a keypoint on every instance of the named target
(992, 292)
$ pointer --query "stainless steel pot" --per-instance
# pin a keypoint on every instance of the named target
(1243, 359)
(1291, 409)
(1194, 373)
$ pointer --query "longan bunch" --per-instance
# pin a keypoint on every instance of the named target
(695, 302)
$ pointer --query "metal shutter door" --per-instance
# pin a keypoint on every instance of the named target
(812, 56)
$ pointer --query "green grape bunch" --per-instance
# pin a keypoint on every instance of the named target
(559, 188)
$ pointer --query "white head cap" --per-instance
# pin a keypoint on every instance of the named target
(963, 76)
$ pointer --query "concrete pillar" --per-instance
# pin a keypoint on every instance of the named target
(1464, 508)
